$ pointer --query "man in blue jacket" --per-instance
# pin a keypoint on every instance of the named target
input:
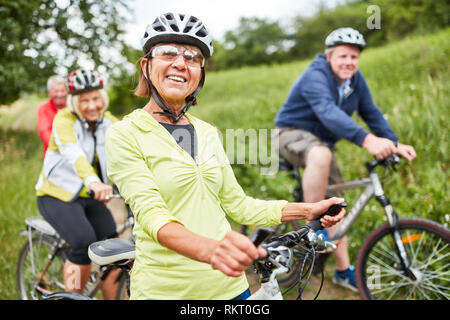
(317, 113)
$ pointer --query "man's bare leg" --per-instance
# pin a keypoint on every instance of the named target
(315, 183)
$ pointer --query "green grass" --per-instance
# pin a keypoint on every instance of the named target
(20, 162)
(21, 114)
(409, 82)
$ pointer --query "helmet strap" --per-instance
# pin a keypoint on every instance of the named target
(190, 100)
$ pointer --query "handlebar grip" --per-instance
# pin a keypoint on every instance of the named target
(260, 234)
(315, 225)
(91, 194)
(332, 211)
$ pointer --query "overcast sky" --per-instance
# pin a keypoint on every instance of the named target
(218, 16)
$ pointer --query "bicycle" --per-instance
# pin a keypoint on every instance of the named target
(405, 258)
(40, 267)
(121, 253)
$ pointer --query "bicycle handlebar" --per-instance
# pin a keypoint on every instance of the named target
(292, 238)
(332, 211)
(388, 162)
(91, 194)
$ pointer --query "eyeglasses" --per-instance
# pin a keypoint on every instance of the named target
(170, 53)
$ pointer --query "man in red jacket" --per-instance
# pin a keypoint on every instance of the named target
(57, 92)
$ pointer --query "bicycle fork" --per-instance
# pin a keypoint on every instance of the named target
(393, 222)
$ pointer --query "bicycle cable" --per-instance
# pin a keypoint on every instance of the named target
(309, 272)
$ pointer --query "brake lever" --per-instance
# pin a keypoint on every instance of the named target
(320, 245)
(280, 258)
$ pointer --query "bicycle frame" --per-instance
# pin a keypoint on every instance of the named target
(359, 205)
(373, 187)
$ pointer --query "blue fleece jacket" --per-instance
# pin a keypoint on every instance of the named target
(313, 105)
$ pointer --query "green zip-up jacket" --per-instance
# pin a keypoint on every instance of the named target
(162, 183)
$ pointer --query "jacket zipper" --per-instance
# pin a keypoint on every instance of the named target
(200, 177)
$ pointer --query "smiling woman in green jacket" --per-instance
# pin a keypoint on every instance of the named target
(172, 170)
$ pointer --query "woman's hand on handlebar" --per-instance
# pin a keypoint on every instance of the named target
(234, 253)
(319, 208)
(101, 191)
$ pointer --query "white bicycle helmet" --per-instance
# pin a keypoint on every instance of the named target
(83, 80)
(178, 28)
(80, 81)
(345, 36)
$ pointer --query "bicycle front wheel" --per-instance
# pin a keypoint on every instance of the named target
(36, 273)
(379, 271)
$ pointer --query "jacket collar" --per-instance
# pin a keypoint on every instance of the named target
(145, 122)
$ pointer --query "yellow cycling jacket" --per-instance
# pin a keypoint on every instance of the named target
(162, 183)
(68, 163)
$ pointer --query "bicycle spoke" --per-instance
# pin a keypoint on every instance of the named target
(379, 262)
(387, 251)
(418, 289)
(438, 290)
(389, 286)
(434, 261)
(416, 252)
(434, 252)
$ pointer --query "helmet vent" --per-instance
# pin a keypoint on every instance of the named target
(202, 32)
(174, 27)
(169, 16)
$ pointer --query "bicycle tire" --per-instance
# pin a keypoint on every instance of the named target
(122, 288)
(25, 279)
(65, 295)
(379, 273)
(291, 277)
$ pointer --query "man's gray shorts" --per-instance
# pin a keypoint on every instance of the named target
(294, 145)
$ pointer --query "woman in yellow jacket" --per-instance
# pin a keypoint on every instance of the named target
(172, 170)
(74, 164)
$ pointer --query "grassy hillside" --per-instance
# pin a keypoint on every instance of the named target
(409, 82)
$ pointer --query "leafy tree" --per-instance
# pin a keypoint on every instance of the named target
(41, 37)
(401, 17)
(255, 41)
(121, 85)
